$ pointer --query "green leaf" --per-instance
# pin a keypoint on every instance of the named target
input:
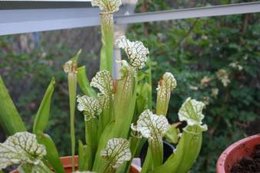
(125, 100)
(106, 53)
(191, 112)
(40, 167)
(90, 106)
(148, 162)
(116, 153)
(107, 112)
(10, 120)
(172, 135)
(84, 82)
(91, 140)
(21, 149)
(83, 157)
(143, 98)
(189, 145)
(135, 50)
(103, 82)
(42, 116)
(70, 67)
(105, 136)
(52, 153)
(72, 82)
(185, 154)
(164, 89)
(40, 124)
(153, 127)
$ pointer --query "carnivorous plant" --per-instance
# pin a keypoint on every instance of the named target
(118, 116)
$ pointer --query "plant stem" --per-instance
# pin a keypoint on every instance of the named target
(107, 29)
(154, 156)
(108, 168)
(147, 166)
(150, 99)
(157, 152)
(134, 144)
(72, 82)
(91, 140)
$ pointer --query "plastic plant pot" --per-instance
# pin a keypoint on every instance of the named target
(236, 152)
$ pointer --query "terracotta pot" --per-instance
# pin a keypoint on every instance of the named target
(235, 152)
(66, 161)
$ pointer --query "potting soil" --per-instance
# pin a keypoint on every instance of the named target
(248, 164)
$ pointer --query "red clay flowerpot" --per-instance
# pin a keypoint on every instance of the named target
(66, 161)
(235, 152)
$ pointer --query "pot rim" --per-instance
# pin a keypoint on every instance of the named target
(220, 167)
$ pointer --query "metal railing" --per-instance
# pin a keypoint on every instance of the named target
(14, 21)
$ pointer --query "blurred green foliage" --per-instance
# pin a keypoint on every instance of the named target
(216, 60)
(26, 72)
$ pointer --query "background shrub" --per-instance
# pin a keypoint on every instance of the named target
(215, 60)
